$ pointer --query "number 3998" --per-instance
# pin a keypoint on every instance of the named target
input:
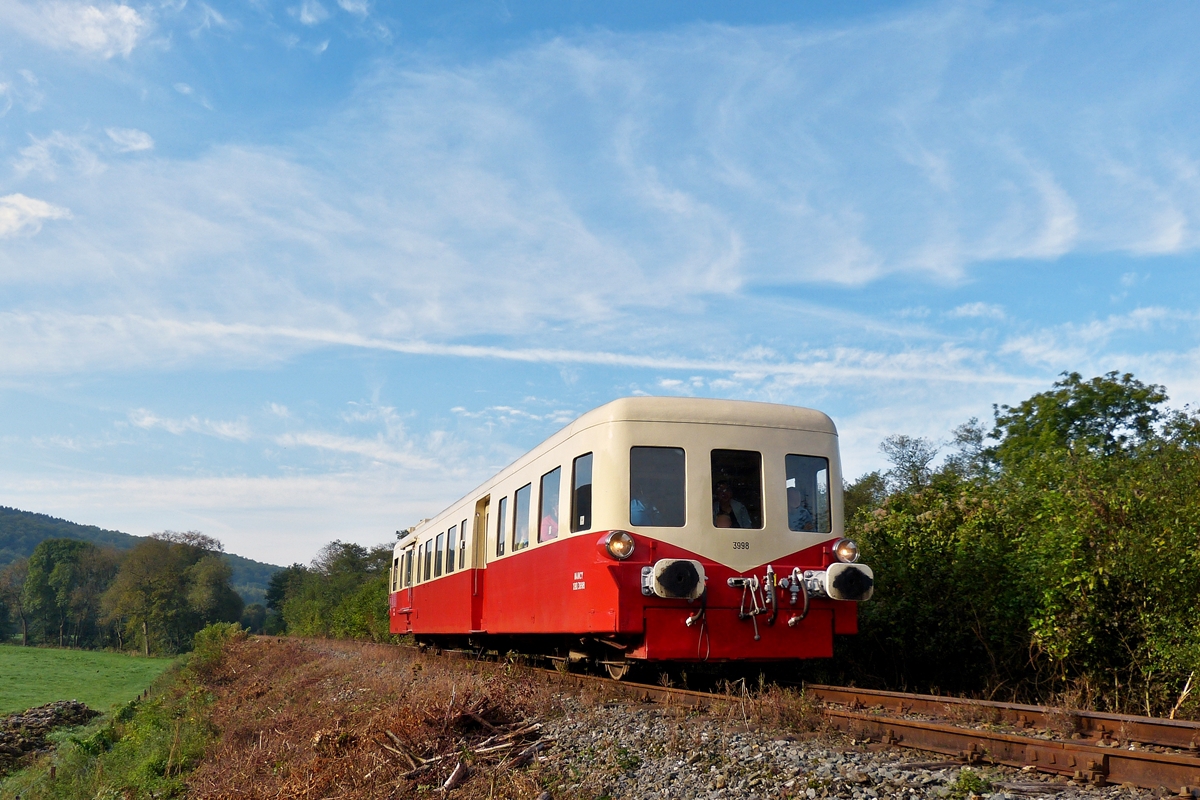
(741, 545)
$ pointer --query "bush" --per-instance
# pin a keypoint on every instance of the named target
(208, 646)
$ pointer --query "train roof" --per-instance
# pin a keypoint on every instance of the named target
(703, 410)
(671, 409)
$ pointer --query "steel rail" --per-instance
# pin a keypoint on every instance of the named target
(1118, 729)
(1077, 759)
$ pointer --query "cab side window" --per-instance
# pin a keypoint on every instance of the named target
(451, 548)
(657, 487)
(501, 526)
(581, 494)
(548, 505)
(462, 546)
(521, 517)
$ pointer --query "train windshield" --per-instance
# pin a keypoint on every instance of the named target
(808, 494)
(657, 490)
(737, 489)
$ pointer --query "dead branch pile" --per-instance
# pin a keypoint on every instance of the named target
(306, 719)
(24, 735)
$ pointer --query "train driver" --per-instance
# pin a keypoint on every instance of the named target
(725, 504)
(799, 516)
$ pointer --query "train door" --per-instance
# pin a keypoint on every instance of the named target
(405, 579)
(479, 560)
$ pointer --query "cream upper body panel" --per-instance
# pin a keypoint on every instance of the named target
(696, 425)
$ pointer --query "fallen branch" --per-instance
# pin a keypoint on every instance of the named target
(497, 748)
(526, 755)
(461, 770)
(413, 759)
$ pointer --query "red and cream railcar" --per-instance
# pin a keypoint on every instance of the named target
(649, 529)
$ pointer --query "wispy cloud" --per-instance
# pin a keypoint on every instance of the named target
(130, 140)
(310, 12)
(21, 214)
(102, 29)
(376, 449)
(238, 430)
(46, 155)
(172, 339)
(977, 310)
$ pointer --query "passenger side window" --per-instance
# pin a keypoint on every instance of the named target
(807, 487)
(501, 522)
(521, 517)
(420, 562)
(548, 505)
(581, 494)
(657, 487)
(737, 488)
(450, 548)
(428, 559)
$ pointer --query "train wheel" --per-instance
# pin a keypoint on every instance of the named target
(617, 669)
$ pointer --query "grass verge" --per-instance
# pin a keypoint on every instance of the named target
(143, 749)
(34, 676)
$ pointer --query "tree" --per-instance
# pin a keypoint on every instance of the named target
(971, 459)
(209, 594)
(12, 593)
(54, 575)
(344, 593)
(1107, 415)
(93, 574)
(910, 457)
(254, 617)
(280, 584)
(868, 492)
(169, 587)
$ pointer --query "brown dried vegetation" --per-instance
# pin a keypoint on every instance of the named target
(340, 719)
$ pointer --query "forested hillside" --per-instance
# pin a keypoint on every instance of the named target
(153, 597)
(22, 531)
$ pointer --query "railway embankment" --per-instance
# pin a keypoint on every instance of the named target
(293, 718)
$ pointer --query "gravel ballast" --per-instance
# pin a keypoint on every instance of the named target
(639, 751)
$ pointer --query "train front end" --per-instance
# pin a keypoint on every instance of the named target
(729, 545)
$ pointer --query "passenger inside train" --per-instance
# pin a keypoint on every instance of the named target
(737, 486)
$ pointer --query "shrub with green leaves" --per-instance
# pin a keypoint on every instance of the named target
(1063, 559)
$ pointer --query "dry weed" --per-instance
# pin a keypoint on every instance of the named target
(969, 713)
(319, 719)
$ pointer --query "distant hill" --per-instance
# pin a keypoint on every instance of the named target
(22, 531)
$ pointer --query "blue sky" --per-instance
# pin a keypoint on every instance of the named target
(289, 272)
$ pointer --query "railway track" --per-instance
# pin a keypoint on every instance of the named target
(1089, 747)
(1113, 748)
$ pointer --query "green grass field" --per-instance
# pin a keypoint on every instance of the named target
(32, 676)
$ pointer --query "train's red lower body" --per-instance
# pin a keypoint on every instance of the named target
(568, 589)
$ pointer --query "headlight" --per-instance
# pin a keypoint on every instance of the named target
(846, 551)
(617, 544)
